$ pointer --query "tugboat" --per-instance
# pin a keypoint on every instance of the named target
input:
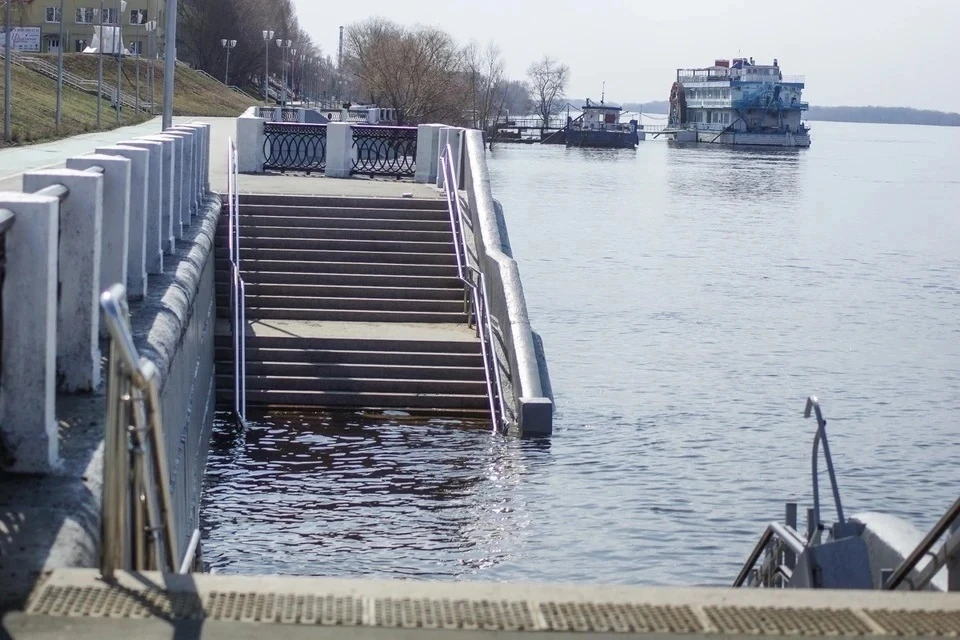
(599, 126)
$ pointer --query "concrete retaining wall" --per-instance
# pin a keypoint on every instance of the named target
(110, 214)
(528, 383)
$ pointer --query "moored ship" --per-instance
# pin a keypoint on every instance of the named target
(738, 102)
(599, 126)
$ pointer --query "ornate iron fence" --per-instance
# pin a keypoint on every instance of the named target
(385, 151)
(295, 147)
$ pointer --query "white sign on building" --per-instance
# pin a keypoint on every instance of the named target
(21, 39)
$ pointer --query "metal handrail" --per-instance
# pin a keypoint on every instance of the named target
(238, 291)
(786, 535)
(481, 311)
(821, 436)
(138, 527)
(910, 563)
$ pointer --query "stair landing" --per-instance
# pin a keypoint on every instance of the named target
(425, 331)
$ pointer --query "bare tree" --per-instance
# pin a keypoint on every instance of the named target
(416, 71)
(548, 79)
(484, 69)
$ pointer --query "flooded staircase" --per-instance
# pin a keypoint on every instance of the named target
(351, 303)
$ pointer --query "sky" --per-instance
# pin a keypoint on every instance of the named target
(852, 52)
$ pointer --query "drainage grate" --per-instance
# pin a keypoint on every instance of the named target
(790, 622)
(489, 615)
(918, 623)
(620, 618)
(100, 602)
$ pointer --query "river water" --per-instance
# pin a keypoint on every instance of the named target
(689, 298)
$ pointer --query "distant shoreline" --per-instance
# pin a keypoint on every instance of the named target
(874, 115)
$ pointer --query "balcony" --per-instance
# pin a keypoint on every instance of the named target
(709, 103)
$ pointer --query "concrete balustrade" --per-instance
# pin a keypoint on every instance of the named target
(140, 186)
(171, 203)
(188, 201)
(250, 142)
(78, 316)
(115, 237)
(158, 202)
(109, 227)
(28, 424)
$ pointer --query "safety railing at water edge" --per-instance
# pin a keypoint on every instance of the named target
(295, 147)
(476, 288)
(238, 320)
(138, 524)
(385, 151)
(949, 554)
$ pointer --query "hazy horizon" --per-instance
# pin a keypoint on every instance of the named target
(851, 56)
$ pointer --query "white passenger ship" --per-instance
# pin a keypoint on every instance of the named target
(738, 102)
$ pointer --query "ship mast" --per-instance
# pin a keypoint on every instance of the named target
(603, 92)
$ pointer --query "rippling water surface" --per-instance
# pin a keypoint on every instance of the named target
(689, 300)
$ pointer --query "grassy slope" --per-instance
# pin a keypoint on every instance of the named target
(34, 98)
(34, 103)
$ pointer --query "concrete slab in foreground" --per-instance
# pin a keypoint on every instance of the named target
(76, 604)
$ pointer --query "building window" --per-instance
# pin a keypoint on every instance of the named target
(136, 47)
(138, 16)
(85, 15)
(111, 16)
(52, 14)
(81, 45)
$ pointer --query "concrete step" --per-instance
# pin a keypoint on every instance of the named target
(351, 303)
(318, 344)
(343, 279)
(344, 255)
(345, 222)
(308, 212)
(429, 402)
(280, 263)
(357, 371)
(271, 199)
(349, 315)
(292, 243)
(258, 289)
(343, 358)
(286, 382)
(248, 233)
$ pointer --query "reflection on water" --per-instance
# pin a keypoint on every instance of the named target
(689, 299)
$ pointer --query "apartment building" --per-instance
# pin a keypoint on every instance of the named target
(39, 23)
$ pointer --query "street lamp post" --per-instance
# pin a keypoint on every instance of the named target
(291, 64)
(60, 70)
(284, 47)
(7, 132)
(100, 69)
(227, 44)
(169, 63)
(151, 28)
(267, 37)
(136, 49)
(120, 7)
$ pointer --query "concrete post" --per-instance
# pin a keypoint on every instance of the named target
(157, 203)
(115, 239)
(78, 313)
(28, 425)
(428, 145)
(137, 239)
(171, 201)
(203, 164)
(442, 142)
(301, 116)
(250, 144)
(373, 116)
(186, 187)
(339, 150)
(196, 174)
(536, 417)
